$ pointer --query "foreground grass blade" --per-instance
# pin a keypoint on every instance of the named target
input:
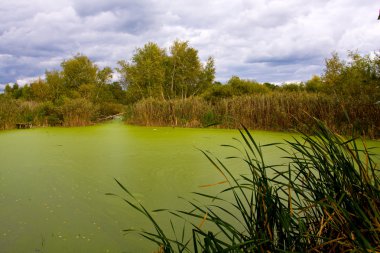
(325, 198)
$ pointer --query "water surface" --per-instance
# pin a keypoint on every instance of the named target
(53, 182)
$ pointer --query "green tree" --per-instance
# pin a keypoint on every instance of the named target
(292, 87)
(102, 92)
(55, 81)
(315, 84)
(144, 76)
(332, 77)
(184, 70)
(153, 73)
(118, 94)
(80, 77)
(79, 70)
(359, 75)
(8, 90)
(270, 86)
(14, 91)
(26, 92)
(40, 91)
(207, 76)
(245, 87)
(217, 91)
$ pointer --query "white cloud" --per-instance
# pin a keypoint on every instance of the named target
(27, 80)
(266, 40)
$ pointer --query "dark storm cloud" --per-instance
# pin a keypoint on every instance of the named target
(298, 58)
(90, 7)
(266, 40)
(133, 17)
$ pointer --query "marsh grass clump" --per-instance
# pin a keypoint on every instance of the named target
(279, 111)
(325, 198)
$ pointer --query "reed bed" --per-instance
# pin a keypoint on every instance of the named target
(69, 112)
(179, 112)
(325, 198)
(8, 118)
(284, 111)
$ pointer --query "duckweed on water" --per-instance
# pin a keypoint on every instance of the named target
(326, 198)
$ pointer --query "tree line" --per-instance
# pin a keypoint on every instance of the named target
(179, 83)
(154, 73)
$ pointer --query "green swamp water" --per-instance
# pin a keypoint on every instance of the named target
(53, 182)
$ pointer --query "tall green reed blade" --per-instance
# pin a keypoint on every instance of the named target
(159, 237)
(326, 198)
(339, 188)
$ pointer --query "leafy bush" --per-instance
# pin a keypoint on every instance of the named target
(217, 92)
(246, 87)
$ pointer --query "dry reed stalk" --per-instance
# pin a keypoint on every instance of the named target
(272, 111)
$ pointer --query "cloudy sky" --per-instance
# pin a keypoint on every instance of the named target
(265, 40)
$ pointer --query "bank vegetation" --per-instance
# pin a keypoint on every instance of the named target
(159, 87)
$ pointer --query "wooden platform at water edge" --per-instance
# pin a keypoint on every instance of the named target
(23, 125)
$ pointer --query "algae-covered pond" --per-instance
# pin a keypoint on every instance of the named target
(53, 182)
